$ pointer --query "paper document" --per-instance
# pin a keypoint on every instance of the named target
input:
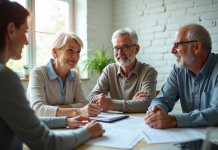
(117, 139)
(170, 135)
(106, 117)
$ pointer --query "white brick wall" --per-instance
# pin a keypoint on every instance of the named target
(155, 21)
(159, 22)
(94, 25)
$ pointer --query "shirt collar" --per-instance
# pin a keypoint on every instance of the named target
(135, 69)
(207, 65)
(2, 61)
(52, 74)
(205, 68)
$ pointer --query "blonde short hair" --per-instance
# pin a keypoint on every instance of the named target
(61, 38)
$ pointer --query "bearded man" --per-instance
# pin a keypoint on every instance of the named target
(131, 84)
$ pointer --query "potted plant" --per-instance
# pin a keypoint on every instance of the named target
(26, 71)
(99, 61)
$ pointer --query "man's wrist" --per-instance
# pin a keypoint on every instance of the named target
(112, 105)
(173, 121)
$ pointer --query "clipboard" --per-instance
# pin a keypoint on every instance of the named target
(106, 117)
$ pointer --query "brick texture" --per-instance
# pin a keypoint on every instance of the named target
(161, 20)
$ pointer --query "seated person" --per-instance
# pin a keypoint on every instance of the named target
(18, 122)
(193, 80)
(54, 89)
(131, 83)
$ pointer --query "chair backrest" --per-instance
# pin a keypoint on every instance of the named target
(157, 92)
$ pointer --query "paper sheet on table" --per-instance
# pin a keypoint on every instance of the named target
(131, 123)
(117, 139)
(170, 135)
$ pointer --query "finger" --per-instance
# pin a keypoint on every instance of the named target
(138, 93)
(150, 117)
(84, 119)
(155, 108)
(103, 131)
(155, 124)
(80, 123)
(95, 100)
(84, 123)
(93, 113)
(96, 107)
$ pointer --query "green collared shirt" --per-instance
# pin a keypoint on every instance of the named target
(122, 89)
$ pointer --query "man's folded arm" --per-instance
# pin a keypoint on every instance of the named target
(148, 85)
(102, 86)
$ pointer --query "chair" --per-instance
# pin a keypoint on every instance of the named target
(157, 92)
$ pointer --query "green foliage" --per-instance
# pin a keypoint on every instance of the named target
(26, 66)
(97, 62)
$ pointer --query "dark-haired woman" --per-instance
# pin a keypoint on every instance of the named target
(18, 122)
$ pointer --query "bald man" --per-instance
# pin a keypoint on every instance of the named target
(193, 80)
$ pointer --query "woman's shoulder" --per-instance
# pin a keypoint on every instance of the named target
(39, 69)
(39, 72)
(75, 74)
(6, 72)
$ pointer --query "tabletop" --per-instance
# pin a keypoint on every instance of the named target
(139, 145)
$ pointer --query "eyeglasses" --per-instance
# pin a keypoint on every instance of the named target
(176, 44)
(122, 48)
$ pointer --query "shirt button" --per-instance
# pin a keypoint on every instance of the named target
(196, 95)
(196, 82)
(127, 80)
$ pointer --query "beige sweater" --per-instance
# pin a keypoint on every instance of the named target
(43, 92)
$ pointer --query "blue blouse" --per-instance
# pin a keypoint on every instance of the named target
(53, 76)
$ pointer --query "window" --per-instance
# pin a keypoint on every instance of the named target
(47, 18)
(17, 65)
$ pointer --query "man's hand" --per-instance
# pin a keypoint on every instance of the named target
(104, 102)
(94, 128)
(141, 95)
(159, 119)
(90, 110)
(77, 121)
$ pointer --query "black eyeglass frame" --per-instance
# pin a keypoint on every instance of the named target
(121, 48)
(176, 44)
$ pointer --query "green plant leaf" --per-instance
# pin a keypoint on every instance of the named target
(97, 62)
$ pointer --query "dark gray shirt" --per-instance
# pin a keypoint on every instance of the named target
(18, 122)
(123, 89)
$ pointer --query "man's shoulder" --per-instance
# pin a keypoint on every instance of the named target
(146, 67)
(111, 67)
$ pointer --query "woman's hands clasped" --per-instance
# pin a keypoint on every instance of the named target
(93, 127)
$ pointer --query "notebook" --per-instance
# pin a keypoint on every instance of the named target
(107, 117)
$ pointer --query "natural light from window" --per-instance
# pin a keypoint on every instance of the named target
(17, 65)
(51, 17)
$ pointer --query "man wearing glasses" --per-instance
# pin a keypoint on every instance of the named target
(132, 84)
(193, 80)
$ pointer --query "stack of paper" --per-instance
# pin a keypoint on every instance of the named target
(117, 139)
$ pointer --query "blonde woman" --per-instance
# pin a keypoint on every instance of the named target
(54, 89)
